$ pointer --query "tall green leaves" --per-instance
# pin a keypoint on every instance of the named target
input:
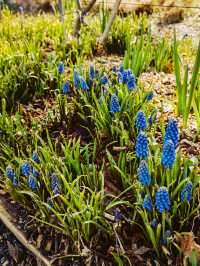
(186, 95)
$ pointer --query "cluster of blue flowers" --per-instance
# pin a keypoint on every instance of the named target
(126, 76)
(27, 171)
(170, 142)
(186, 192)
(162, 200)
(143, 173)
(141, 122)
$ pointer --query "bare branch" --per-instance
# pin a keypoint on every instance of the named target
(110, 22)
(81, 12)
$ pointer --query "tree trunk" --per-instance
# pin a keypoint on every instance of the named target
(110, 22)
(61, 10)
(80, 13)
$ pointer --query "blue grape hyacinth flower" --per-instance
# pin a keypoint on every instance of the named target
(166, 237)
(130, 73)
(131, 83)
(83, 84)
(121, 69)
(55, 184)
(152, 118)
(143, 173)
(91, 72)
(118, 215)
(141, 122)
(76, 79)
(32, 182)
(172, 131)
(141, 146)
(114, 104)
(114, 69)
(150, 96)
(186, 192)
(147, 203)
(26, 169)
(35, 157)
(61, 68)
(168, 154)
(66, 87)
(104, 80)
(154, 223)
(10, 173)
(162, 200)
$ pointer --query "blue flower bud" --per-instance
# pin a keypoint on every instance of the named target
(32, 182)
(143, 173)
(65, 88)
(55, 184)
(150, 96)
(168, 154)
(114, 69)
(141, 122)
(186, 192)
(166, 237)
(61, 68)
(121, 69)
(35, 157)
(104, 80)
(50, 203)
(118, 215)
(26, 169)
(11, 175)
(76, 79)
(114, 104)
(154, 223)
(92, 72)
(131, 83)
(83, 84)
(147, 203)
(130, 74)
(141, 146)
(162, 200)
(172, 132)
(153, 116)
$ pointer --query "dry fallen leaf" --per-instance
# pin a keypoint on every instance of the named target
(188, 245)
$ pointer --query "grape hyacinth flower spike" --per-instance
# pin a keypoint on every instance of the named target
(35, 157)
(11, 175)
(131, 83)
(141, 146)
(141, 122)
(55, 185)
(168, 154)
(162, 200)
(61, 68)
(150, 96)
(143, 173)
(172, 132)
(65, 88)
(104, 80)
(152, 118)
(186, 192)
(91, 72)
(76, 79)
(26, 169)
(114, 104)
(32, 182)
(147, 203)
(83, 84)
